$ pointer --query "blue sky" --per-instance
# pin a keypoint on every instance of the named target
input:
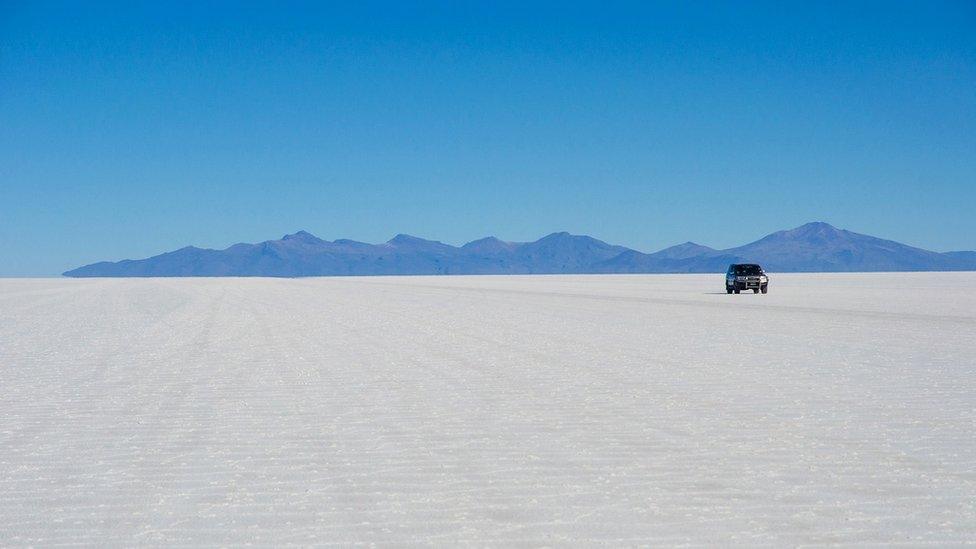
(128, 131)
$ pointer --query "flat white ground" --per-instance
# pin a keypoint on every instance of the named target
(530, 410)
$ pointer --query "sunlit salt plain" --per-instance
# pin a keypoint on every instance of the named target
(535, 410)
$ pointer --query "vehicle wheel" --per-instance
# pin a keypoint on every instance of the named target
(728, 290)
(764, 289)
(755, 290)
(736, 291)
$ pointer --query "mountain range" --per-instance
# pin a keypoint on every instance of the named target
(814, 247)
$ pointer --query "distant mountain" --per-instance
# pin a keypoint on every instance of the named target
(963, 258)
(563, 253)
(684, 251)
(821, 247)
(814, 247)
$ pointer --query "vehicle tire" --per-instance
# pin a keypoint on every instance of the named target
(736, 290)
(765, 289)
(755, 290)
(728, 290)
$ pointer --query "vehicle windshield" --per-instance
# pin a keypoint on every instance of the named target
(748, 270)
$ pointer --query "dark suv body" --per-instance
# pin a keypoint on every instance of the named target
(746, 276)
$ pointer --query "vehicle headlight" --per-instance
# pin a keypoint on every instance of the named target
(763, 278)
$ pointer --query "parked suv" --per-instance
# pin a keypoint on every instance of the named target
(746, 276)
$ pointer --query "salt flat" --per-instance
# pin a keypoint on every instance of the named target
(522, 410)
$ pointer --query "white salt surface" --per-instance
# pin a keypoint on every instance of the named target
(536, 410)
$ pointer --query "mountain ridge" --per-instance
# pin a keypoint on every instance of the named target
(812, 247)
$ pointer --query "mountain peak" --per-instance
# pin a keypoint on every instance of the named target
(559, 252)
(403, 238)
(563, 238)
(302, 236)
(684, 251)
(816, 234)
(414, 243)
(486, 241)
(488, 245)
(815, 227)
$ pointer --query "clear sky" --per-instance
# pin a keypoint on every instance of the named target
(128, 131)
